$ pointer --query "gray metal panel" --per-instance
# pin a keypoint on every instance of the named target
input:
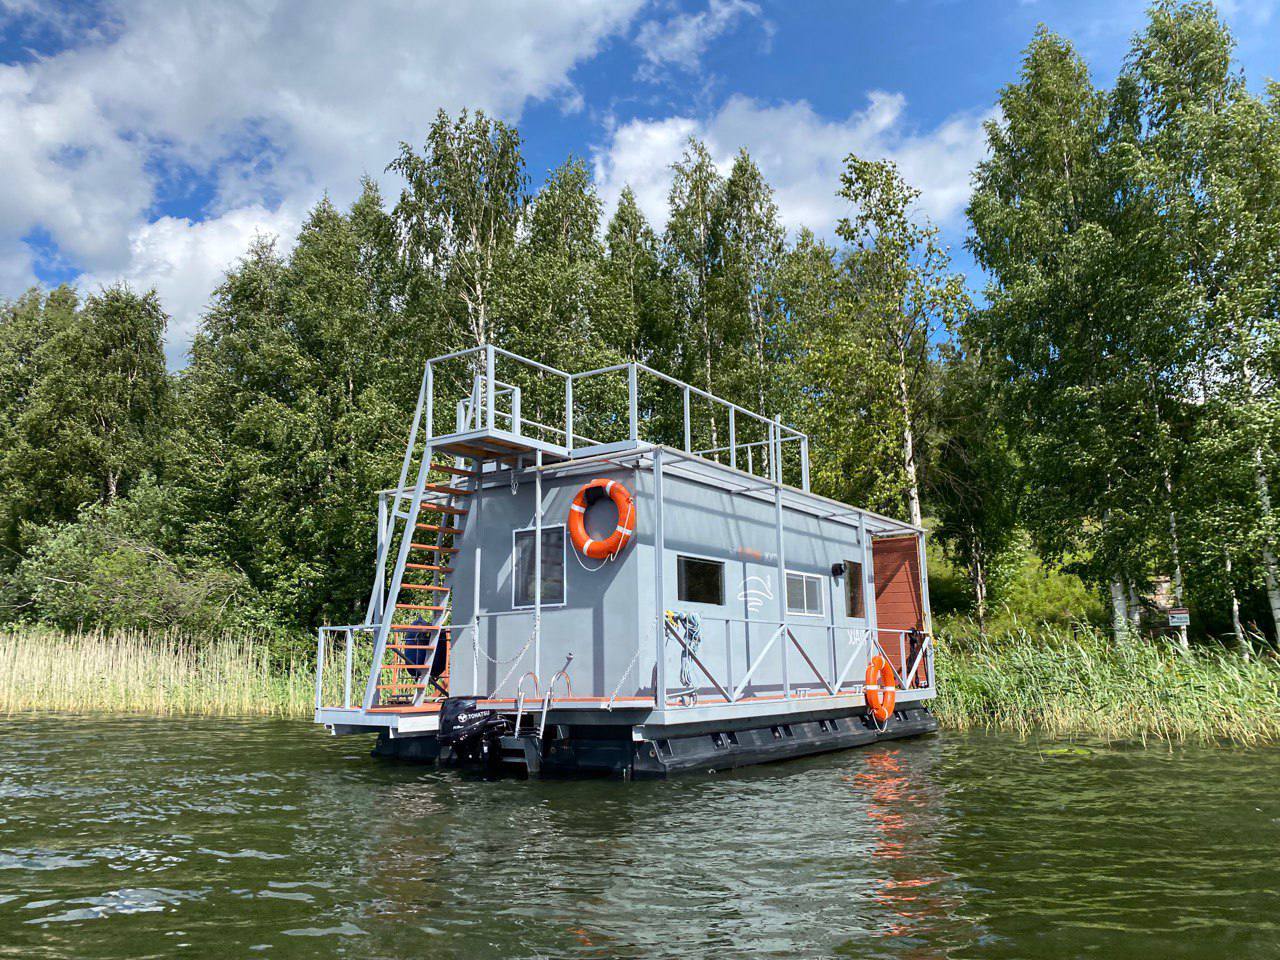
(592, 635)
(606, 622)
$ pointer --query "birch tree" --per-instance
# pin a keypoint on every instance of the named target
(457, 216)
(900, 294)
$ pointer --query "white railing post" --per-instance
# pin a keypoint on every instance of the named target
(733, 439)
(804, 464)
(633, 403)
(320, 668)
(688, 433)
(776, 476)
(659, 602)
(568, 413)
(488, 385)
(346, 680)
(537, 565)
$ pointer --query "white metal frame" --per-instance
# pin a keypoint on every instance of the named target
(538, 600)
(822, 603)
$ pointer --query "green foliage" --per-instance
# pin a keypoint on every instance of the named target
(120, 566)
(301, 382)
(85, 403)
(1107, 418)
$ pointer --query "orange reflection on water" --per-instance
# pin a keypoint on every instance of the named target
(902, 810)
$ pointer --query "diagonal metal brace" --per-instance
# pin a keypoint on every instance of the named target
(679, 637)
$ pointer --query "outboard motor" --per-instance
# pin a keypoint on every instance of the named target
(466, 727)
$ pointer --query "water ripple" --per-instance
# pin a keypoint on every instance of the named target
(271, 838)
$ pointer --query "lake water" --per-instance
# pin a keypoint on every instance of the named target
(134, 838)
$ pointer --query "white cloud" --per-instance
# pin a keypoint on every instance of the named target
(186, 260)
(278, 101)
(800, 153)
(683, 38)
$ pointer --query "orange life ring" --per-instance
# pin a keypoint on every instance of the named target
(881, 688)
(622, 533)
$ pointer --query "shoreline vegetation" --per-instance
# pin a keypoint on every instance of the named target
(1056, 681)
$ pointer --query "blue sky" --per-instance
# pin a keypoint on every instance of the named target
(149, 140)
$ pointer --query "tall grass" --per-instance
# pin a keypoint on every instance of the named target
(168, 674)
(1078, 681)
(1056, 680)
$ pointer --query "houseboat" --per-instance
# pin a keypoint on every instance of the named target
(615, 572)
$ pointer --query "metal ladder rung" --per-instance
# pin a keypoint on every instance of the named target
(429, 546)
(419, 606)
(428, 566)
(424, 586)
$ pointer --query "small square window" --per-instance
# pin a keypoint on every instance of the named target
(552, 566)
(804, 594)
(700, 581)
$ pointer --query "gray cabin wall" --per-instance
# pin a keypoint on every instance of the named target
(592, 636)
(705, 521)
(608, 622)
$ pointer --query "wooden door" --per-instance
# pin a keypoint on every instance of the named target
(899, 605)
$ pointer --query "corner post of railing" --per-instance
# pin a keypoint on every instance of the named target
(927, 613)
(782, 566)
(488, 385)
(733, 438)
(804, 463)
(633, 402)
(568, 413)
(537, 563)
(428, 414)
(380, 574)
(659, 596)
(688, 433)
(346, 677)
(319, 668)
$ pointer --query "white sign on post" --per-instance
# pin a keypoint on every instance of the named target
(1180, 617)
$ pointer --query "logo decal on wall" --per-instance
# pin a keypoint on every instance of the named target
(756, 591)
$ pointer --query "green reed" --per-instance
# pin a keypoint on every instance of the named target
(1077, 681)
(165, 674)
(1060, 681)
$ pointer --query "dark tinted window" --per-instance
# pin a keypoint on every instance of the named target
(853, 605)
(700, 581)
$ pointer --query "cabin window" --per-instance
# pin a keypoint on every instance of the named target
(700, 581)
(853, 602)
(804, 594)
(552, 566)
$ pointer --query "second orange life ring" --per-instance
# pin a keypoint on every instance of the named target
(622, 532)
(881, 688)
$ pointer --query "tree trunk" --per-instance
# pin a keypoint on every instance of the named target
(1268, 546)
(979, 570)
(908, 442)
(1242, 645)
(1135, 609)
(1119, 610)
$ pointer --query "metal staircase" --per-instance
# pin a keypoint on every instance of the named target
(411, 614)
